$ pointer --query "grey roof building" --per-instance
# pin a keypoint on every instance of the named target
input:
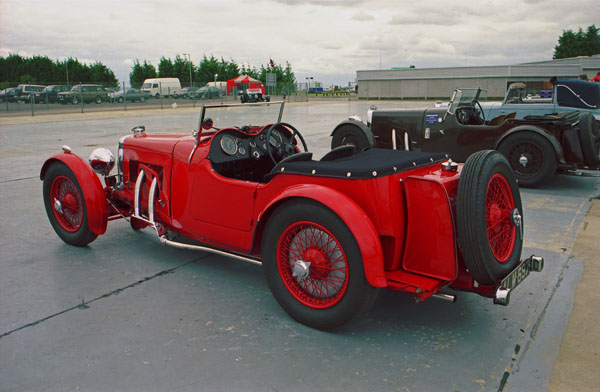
(438, 83)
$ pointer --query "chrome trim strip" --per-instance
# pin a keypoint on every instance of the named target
(393, 139)
(151, 197)
(137, 194)
(406, 141)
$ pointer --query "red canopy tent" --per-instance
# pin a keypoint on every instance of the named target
(244, 80)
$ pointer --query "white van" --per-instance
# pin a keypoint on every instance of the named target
(161, 86)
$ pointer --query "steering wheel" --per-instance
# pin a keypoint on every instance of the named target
(478, 111)
(287, 146)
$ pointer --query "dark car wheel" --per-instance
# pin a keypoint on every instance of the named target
(75, 100)
(349, 134)
(589, 136)
(531, 156)
(120, 99)
(314, 267)
(98, 99)
(65, 206)
(489, 217)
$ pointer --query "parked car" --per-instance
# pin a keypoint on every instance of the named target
(253, 95)
(540, 98)
(51, 92)
(130, 94)
(207, 92)
(27, 91)
(328, 233)
(86, 92)
(9, 94)
(535, 146)
(185, 92)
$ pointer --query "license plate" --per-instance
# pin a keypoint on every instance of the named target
(517, 275)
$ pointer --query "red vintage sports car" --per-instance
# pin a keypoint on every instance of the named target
(328, 233)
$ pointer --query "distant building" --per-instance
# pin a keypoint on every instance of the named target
(438, 83)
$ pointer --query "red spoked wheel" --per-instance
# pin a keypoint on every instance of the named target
(314, 266)
(501, 230)
(489, 217)
(65, 205)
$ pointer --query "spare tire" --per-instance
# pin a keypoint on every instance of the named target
(348, 134)
(589, 137)
(489, 217)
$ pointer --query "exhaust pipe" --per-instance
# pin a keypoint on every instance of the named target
(445, 297)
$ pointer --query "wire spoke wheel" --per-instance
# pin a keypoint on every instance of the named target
(312, 265)
(500, 229)
(526, 159)
(66, 203)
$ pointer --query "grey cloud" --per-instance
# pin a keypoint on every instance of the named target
(362, 17)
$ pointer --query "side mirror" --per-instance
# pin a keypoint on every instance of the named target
(207, 123)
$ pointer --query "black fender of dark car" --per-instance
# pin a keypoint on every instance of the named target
(362, 127)
(558, 149)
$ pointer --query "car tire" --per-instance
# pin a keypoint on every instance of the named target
(98, 99)
(489, 217)
(531, 156)
(589, 137)
(349, 134)
(65, 205)
(316, 233)
(74, 100)
(120, 100)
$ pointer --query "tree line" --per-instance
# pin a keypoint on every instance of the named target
(43, 70)
(571, 44)
(16, 69)
(207, 70)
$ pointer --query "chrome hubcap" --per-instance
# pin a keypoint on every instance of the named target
(58, 206)
(301, 269)
(523, 160)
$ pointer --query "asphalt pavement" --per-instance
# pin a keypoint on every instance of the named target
(126, 314)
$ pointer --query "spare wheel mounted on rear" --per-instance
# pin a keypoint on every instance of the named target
(489, 217)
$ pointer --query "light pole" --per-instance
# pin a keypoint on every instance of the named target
(308, 79)
(190, 63)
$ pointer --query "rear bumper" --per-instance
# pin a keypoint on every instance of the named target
(516, 277)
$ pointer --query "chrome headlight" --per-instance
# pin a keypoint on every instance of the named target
(102, 161)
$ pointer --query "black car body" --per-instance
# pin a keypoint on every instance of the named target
(536, 146)
(51, 92)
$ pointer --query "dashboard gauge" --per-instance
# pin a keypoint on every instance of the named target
(275, 139)
(229, 145)
(242, 150)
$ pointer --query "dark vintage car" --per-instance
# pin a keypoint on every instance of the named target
(328, 233)
(536, 146)
(84, 92)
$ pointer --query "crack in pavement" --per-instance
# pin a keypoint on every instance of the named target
(19, 179)
(85, 304)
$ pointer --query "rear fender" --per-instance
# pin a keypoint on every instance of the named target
(360, 125)
(93, 193)
(560, 156)
(352, 215)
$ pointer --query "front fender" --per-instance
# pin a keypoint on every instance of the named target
(93, 193)
(352, 215)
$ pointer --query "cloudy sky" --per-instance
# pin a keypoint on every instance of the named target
(326, 39)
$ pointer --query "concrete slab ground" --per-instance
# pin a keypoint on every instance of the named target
(125, 314)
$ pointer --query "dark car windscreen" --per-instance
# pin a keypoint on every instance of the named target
(578, 94)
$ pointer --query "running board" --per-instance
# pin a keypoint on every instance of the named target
(162, 239)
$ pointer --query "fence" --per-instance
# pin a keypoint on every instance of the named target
(31, 99)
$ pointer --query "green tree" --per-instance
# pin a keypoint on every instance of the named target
(166, 68)
(581, 43)
(139, 73)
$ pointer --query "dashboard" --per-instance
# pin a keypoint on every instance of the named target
(233, 144)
